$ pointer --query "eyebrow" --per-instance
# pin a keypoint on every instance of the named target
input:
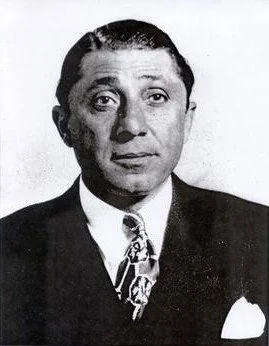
(113, 80)
(151, 77)
(102, 81)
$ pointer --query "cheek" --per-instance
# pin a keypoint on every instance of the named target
(88, 134)
(81, 133)
(171, 133)
(86, 138)
(173, 144)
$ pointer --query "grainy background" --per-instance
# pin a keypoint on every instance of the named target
(227, 45)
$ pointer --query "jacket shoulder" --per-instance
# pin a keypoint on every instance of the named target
(214, 216)
(28, 225)
(203, 198)
(32, 213)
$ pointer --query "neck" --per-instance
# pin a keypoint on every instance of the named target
(116, 197)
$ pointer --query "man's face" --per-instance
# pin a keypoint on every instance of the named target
(128, 118)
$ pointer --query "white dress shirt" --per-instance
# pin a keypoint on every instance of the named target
(106, 227)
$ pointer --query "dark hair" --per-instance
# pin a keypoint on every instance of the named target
(115, 36)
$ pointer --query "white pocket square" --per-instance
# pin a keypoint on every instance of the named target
(244, 321)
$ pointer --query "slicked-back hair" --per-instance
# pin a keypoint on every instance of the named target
(125, 34)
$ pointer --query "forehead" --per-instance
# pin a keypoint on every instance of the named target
(132, 63)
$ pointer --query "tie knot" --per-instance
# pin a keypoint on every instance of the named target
(134, 223)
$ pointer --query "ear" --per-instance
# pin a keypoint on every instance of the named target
(61, 119)
(188, 120)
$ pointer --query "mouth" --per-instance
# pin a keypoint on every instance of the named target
(130, 156)
(132, 160)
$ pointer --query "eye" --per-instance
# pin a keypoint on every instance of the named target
(104, 102)
(158, 98)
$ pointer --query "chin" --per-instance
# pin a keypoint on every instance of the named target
(136, 185)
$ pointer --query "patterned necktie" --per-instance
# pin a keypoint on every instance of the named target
(139, 269)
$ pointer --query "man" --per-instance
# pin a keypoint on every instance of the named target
(130, 254)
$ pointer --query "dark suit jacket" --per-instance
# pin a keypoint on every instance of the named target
(55, 289)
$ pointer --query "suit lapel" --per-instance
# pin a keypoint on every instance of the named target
(81, 300)
(188, 298)
(170, 301)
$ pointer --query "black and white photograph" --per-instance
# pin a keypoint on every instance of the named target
(134, 197)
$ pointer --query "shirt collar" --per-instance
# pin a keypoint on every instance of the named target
(105, 221)
(155, 214)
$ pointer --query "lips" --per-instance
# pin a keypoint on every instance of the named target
(130, 156)
(135, 162)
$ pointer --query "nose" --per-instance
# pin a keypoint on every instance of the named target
(130, 123)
